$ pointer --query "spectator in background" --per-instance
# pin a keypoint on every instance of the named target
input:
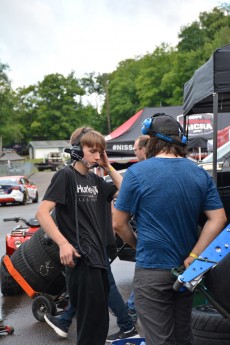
(140, 146)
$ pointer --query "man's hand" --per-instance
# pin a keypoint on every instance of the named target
(67, 254)
(188, 261)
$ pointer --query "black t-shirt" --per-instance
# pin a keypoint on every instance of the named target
(94, 218)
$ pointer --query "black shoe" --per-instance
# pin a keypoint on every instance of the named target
(132, 333)
(56, 324)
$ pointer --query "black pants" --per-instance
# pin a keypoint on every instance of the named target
(88, 289)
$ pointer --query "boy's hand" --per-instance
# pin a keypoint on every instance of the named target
(67, 254)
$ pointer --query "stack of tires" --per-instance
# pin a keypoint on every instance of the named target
(209, 326)
(37, 260)
(9, 287)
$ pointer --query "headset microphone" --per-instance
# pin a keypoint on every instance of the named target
(95, 165)
(67, 150)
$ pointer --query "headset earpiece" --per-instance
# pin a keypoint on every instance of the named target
(76, 152)
(146, 125)
(184, 140)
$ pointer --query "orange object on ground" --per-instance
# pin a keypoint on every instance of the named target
(19, 279)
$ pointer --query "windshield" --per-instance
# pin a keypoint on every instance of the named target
(7, 182)
(223, 153)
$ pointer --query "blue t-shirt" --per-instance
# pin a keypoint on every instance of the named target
(167, 196)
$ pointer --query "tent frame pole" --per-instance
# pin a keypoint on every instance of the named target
(215, 128)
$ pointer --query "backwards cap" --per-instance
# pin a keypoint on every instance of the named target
(163, 127)
(165, 124)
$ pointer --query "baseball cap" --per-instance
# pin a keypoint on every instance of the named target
(165, 124)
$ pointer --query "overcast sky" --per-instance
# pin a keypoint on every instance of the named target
(40, 37)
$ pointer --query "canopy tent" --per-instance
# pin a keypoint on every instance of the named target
(209, 91)
(120, 142)
(223, 136)
(198, 142)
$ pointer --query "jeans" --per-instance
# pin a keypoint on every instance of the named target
(67, 316)
(130, 301)
(117, 305)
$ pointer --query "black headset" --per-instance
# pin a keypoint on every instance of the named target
(148, 128)
(75, 151)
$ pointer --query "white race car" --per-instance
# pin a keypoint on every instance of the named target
(17, 189)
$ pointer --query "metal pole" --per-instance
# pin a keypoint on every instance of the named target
(107, 105)
(215, 129)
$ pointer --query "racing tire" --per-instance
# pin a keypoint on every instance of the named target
(35, 200)
(35, 265)
(23, 202)
(49, 246)
(40, 260)
(209, 327)
(9, 286)
(42, 305)
(23, 267)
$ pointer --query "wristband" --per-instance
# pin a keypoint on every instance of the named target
(193, 255)
(108, 170)
(111, 168)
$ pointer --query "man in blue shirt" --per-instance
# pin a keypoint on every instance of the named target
(166, 193)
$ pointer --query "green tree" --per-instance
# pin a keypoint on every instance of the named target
(212, 22)
(149, 82)
(191, 37)
(50, 110)
(98, 86)
(208, 30)
(9, 130)
(123, 99)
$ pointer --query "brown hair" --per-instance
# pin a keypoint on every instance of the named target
(88, 136)
(157, 145)
(142, 141)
